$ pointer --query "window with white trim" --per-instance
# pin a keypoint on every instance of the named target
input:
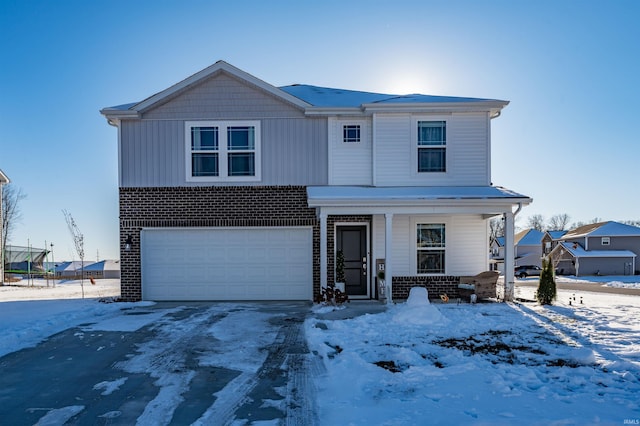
(432, 146)
(223, 150)
(606, 241)
(351, 133)
(430, 248)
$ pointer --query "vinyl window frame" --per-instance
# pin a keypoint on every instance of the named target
(440, 248)
(224, 151)
(417, 147)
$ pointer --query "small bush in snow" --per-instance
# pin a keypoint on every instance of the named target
(546, 293)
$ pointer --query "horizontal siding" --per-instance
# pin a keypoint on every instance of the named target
(350, 162)
(467, 151)
(467, 243)
(294, 152)
(392, 150)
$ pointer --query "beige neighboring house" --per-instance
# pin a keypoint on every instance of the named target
(3, 180)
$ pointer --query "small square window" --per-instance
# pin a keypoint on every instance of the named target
(351, 133)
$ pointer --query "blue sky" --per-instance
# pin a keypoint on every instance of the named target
(569, 138)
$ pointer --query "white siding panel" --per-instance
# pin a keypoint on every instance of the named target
(467, 151)
(393, 150)
(350, 162)
(402, 246)
(467, 245)
(467, 146)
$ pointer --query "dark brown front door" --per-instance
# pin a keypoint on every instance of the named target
(352, 240)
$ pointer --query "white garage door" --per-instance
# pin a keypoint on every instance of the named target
(227, 264)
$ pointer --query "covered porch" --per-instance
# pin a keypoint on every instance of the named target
(419, 236)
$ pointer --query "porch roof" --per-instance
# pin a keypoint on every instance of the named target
(419, 196)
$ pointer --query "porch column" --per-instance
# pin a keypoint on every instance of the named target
(509, 256)
(388, 239)
(323, 250)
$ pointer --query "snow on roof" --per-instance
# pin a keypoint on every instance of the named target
(411, 193)
(604, 229)
(529, 237)
(330, 97)
(576, 250)
(556, 234)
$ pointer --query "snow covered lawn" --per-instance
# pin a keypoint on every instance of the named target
(420, 363)
(489, 363)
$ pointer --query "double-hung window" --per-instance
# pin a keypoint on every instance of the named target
(432, 146)
(223, 151)
(430, 248)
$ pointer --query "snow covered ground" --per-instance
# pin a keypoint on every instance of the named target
(484, 364)
(421, 363)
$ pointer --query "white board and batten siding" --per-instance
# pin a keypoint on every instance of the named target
(227, 263)
(466, 242)
(467, 150)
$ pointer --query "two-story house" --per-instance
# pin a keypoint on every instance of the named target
(603, 248)
(234, 189)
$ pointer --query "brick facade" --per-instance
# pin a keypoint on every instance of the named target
(435, 285)
(219, 206)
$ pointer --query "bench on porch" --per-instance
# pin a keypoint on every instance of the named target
(482, 285)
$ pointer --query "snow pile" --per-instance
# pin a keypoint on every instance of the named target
(418, 310)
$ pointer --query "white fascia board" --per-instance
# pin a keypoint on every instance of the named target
(334, 111)
(115, 115)
(412, 210)
(218, 66)
(483, 206)
(493, 107)
(3, 178)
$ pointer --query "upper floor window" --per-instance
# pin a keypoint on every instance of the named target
(430, 248)
(351, 133)
(223, 151)
(432, 142)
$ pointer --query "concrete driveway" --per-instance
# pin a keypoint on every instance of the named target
(171, 363)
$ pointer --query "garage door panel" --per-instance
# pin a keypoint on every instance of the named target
(227, 264)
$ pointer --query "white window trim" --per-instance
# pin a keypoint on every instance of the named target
(415, 147)
(223, 151)
(414, 222)
(606, 241)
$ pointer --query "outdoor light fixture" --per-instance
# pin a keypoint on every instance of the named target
(128, 243)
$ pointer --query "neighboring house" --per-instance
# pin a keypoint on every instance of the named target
(100, 269)
(550, 240)
(103, 269)
(3, 181)
(496, 254)
(605, 248)
(233, 189)
(527, 249)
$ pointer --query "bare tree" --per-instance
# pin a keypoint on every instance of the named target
(559, 222)
(536, 222)
(78, 241)
(496, 228)
(11, 214)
